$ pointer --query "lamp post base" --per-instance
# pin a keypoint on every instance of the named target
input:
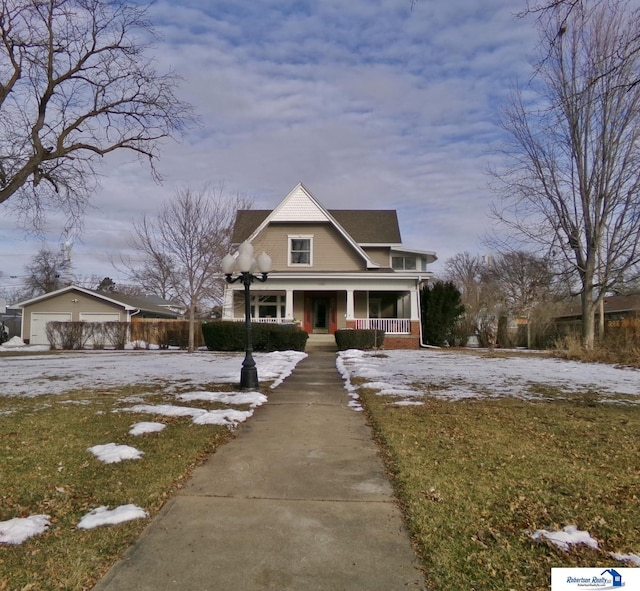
(249, 373)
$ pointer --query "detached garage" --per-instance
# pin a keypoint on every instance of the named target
(74, 304)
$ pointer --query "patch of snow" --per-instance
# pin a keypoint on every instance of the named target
(632, 558)
(566, 537)
(225, 417)
(12, 343)
(112, 453)
(199, 416)
(146, 427)
(103, 516)
(15, 531)
(253, 399)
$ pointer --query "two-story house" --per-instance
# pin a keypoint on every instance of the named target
(332, 269)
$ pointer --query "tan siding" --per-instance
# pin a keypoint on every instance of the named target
(331, 252)
(381, 255)
(63, 303)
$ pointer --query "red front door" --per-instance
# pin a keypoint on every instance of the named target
(320, 314)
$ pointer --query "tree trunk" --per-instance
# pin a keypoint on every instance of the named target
(588, 317)
(601, 320)
(192, 326)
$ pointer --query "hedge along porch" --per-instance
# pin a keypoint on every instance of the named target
(332, 269)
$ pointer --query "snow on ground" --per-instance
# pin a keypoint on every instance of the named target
(411, 375)
(566, 537)
(15, 531)
(253, 399)
(102, 516)
(145, 427)
(34, 375)
(112, 453)
(225, 417)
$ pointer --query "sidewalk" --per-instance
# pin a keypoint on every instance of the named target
(297, 501)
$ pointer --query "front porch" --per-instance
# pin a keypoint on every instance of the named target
(322, 312)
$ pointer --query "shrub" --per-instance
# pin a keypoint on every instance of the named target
(116, 333)
(359, 339)
(231, 336)
(68, 335)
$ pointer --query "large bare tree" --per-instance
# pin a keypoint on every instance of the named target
(76, 83)
(570, 180)
(184, 244)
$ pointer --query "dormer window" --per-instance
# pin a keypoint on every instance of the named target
(404, 263)
(300, 251)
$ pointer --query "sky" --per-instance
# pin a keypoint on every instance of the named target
(368, 103)
(448, 374)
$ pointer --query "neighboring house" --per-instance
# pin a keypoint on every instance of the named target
(75, 304)
(332, 269)
(615, 307)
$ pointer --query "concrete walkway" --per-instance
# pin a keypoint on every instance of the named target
(297, 501)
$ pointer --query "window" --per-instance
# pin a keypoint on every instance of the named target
(268, 306)
(300, 250)
(406, 263)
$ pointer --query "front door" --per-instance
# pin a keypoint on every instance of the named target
(320, 314)
(321, 309)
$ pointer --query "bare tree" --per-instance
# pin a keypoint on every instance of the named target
(479, 295)
(47, 272)
(185, 243)
(523, 284)
(570, 183)
(76, 83)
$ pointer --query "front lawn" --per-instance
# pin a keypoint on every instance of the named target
(477, 476)
(47, 470)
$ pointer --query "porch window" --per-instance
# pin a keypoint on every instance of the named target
(300, 250)
(404, 263)
(268, 306)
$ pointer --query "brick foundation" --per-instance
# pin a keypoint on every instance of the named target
(399, 341)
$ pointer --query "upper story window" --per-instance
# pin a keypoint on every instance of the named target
(300, 250)
(404, 263)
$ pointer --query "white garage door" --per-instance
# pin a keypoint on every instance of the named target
(39, 321)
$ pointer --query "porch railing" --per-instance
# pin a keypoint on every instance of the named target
(389, 325)
(263, 320)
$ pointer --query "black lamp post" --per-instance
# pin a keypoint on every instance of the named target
(246, 266)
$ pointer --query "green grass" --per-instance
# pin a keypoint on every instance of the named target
(45, 468)
(476, 477)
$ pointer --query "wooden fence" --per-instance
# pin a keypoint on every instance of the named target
(165, 332)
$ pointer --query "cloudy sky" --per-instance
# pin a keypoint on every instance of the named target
(369, 103)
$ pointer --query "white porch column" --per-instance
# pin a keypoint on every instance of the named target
(415, 304)
(227, 303)
(288, 304)
(350, 305)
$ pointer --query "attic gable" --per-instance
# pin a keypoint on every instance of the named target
(299, 206)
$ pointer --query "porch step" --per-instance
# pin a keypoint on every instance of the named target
(321, 342)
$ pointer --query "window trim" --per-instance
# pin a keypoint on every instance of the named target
(290, 239)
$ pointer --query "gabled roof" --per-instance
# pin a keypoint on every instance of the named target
(129, 303)
(357, 226)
